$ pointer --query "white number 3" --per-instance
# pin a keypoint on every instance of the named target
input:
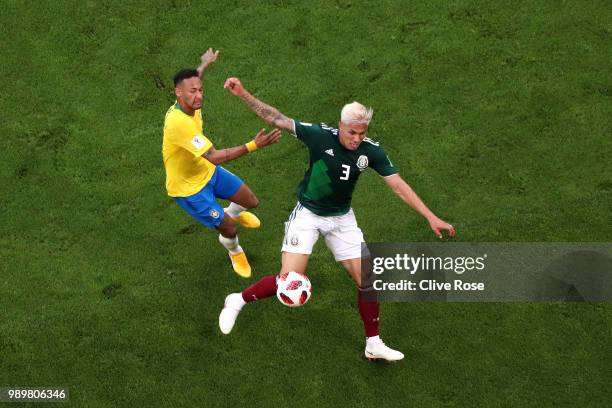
(346, 170)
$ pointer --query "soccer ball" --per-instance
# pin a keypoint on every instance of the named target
(293, 289)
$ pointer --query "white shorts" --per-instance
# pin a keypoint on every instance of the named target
(342, 235)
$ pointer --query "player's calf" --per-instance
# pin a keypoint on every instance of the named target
(227, 228)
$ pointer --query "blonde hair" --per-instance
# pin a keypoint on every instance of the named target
(356, 113)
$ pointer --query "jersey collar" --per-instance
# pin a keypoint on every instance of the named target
(178, 107)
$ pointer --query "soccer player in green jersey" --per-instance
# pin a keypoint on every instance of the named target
(337, 158)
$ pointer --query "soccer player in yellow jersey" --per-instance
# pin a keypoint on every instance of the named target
(194, 177)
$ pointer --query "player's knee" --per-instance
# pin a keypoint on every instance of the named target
(252, 202)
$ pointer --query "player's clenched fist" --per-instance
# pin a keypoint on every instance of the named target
(263, 139)
(234, 86)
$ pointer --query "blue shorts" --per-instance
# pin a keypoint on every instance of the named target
(203, 205)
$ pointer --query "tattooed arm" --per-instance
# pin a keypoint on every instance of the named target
(268, 113)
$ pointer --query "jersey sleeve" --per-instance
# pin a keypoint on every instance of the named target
(381, 163)
(308, 133)
(186, 135)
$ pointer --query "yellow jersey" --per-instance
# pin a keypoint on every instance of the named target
(187, 172)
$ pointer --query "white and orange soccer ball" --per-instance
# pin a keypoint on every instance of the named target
(293, 289)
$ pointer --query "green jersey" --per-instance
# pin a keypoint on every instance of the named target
(327, 187)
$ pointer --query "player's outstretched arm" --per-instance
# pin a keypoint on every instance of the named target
(268, 113)
(206, 59)
(262, 139)
(405, 192)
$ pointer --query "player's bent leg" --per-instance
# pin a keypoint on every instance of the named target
(264, 288)
(369, 311)
(228, 237)
(228, 186)
(244, 197)
(242, 200)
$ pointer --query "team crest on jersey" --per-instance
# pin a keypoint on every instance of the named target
(214, 213)
(362, 162)
(295, 241)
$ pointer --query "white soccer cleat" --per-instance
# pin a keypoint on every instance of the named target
(379, 350)
(233, 305)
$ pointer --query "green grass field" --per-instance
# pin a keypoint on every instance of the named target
(497, 114)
